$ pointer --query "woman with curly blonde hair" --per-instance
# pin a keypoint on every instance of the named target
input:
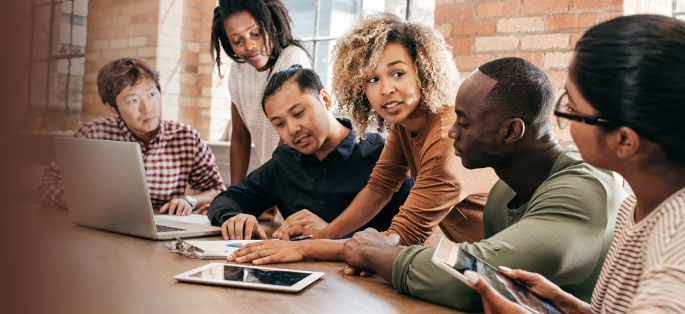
(391, 72)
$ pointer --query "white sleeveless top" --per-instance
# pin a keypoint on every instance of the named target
(247, 85)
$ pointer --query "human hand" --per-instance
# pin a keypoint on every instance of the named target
(202, 210)
(300, 231)
(268, 252)
(177, 206)
(241, 226)
(493, 302)
(353, 253)
(303, 218)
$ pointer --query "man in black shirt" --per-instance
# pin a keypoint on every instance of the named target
(313, 178)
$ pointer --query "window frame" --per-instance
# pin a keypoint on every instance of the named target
(51, 58)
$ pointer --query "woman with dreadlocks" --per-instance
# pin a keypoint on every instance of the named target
(256, 34)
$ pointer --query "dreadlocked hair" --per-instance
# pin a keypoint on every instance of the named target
(273, 19)
(357, 53)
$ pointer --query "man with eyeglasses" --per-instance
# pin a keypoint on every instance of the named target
(549, 213)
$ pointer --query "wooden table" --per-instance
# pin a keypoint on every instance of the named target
(50, 265)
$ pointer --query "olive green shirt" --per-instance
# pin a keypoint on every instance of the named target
(563, 233)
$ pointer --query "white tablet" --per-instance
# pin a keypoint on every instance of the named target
(251, 277)
(450, 257)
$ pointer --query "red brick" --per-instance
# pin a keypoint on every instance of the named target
(191, 90)
(454, 13)
(187, 121)
(206, 14)
(556, 77)
(191, 112)
(461, 45)
(472, 61)
(499, 8)
(535, 58)
(202, 124)
(191, 68)
(474, 27)
(574, 39)
(189, 57)
(121, 21)
(604, 16)
(579, 5)
(108, 55)
(204, 80)
(545, 6)
(571, 21)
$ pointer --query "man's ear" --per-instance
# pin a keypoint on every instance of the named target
(114, 111)
(325, 99)
(626, 141)
(513, 130)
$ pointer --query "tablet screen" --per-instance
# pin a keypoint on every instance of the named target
(251, 275)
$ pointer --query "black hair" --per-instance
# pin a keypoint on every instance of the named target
(306, 79)
(632, 71)
(522, 91)
(273, 18)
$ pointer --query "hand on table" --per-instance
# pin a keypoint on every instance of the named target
(242, 226)
(493, 302)
(202, 210)
(353, 251)
(177, 206)
(303, 218)
(269, 252)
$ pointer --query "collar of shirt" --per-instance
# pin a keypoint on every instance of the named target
(131, 138)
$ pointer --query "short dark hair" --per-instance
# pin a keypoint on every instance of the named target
(522, 91)
(306, 79)
(120, 73)
(632, 71)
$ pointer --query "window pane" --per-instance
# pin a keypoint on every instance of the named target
(337, 16)
(41, 32)
(423, 12)
(57, 97)
(309, 45)
(61, 31)
(302, 14)
(680, 6)
(323, 58)
(76, 84)
(398, 7)
(39, 81)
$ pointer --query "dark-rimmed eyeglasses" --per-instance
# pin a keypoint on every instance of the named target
(563, 113)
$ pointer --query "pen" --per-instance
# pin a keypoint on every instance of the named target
(302, 237)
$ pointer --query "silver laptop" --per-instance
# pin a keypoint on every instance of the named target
(106, 188)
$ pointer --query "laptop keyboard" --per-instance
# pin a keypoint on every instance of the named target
(161, 228)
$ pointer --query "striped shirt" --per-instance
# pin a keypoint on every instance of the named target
(177, 155)
(644, 271)
(247, 85)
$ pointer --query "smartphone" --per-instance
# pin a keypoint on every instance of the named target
(450, 257)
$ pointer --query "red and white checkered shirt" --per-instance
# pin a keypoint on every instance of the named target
(177, 155)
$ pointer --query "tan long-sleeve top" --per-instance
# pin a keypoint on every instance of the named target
(439, 185)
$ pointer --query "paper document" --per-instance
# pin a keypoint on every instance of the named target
(224, 248)
(192, 218)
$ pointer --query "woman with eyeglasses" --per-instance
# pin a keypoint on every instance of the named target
(625, 103)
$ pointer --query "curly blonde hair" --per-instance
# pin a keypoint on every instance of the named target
(357, 53)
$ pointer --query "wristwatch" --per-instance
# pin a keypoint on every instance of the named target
(191, 200)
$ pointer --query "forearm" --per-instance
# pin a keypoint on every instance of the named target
(382, 260)
(363, 208)
(205, 197)
(323, 250)
(239, 159)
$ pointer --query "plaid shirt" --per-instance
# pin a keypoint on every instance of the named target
(177, 155)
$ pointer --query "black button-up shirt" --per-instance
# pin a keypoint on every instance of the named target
(294, 181)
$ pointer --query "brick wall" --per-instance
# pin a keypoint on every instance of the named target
(540, 31)
(171, 35)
